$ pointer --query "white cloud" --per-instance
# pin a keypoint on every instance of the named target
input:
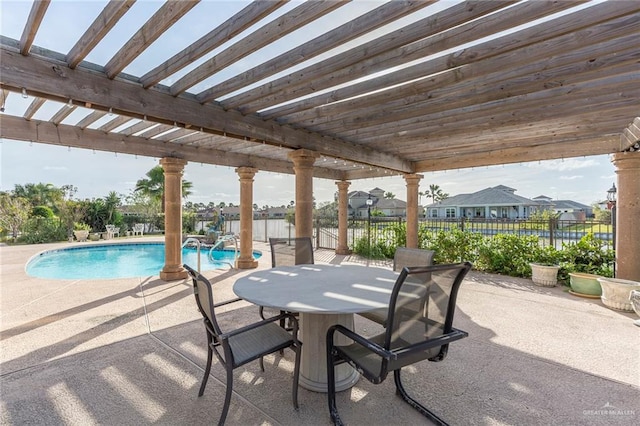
(574, 177)
(56, 168)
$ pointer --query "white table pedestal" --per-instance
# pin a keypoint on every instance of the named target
(313, 366)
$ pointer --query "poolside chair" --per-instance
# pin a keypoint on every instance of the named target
(289, 252)
(410, 336)
(403, 257)
(234, 348)
(112, 231)
(138, 229)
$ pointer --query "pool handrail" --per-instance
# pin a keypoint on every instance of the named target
(222, 239)
(197, 241)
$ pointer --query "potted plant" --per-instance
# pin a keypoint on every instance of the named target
(544, 275)
(616, 293)
(545, 267)
(81, 231)
(585, 285)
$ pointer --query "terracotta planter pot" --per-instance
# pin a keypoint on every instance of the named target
(544, 275)
(585, 285)
(616, 293)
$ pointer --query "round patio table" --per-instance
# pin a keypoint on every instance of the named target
(324, 295)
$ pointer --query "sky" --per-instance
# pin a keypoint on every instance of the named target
(584, 179)
(95, 174)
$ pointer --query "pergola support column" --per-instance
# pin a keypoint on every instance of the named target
(303, 160)
(343, 204)
(627, 213)
(173, 169)
(413, 182)
(246, 260)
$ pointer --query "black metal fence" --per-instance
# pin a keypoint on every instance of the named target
(552, 232)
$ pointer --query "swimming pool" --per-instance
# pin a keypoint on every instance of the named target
(119, 261)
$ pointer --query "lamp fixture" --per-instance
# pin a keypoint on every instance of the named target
(24, 93)
(611, 193)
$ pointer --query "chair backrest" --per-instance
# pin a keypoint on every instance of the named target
(291, 251)
(203, 292)
(411, 257)
(421, 308)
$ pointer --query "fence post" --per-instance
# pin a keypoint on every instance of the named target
(317, 232)
(551, 232)
(462, 223)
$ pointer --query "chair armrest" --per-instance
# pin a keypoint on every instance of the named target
(262, 323)
(368, 344)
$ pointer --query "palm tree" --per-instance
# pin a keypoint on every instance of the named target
(111, 203)
(435, 193)
(153, 187)
(389, 195)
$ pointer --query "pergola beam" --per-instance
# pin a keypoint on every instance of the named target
(17, 128)
(49, 79)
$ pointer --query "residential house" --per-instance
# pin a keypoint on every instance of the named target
(390, 207)
(495, 202)
(568, 209)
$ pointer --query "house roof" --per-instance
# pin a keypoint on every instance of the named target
(372, 88)
(569, 204)
(390, 203)
(487, 196)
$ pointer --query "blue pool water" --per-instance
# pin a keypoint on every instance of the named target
(119, 261)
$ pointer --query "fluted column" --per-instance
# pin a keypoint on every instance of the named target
(343, 204)
(628, 215)
(303, 160)
(246, 260)
(413, 182)
(173, 168)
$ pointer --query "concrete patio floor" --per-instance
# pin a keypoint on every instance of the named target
(132, 352)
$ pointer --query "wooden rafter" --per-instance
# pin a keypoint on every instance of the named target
(166, 16)
(291, 21)
(36, 15)
(229, 29)
(103, 23)
(370, 21)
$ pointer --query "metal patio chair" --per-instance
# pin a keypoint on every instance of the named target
(289, 252)
(412, 335)
(234, 348)
(403, 257)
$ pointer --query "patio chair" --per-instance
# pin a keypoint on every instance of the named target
(234, 348)
(410, 336)
(289, 252)
(403, 257)
(112, 231)
(138, 229)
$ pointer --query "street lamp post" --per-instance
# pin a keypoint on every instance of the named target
(611, 204)
(369, 204)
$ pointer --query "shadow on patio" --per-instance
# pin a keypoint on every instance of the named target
(132, 352)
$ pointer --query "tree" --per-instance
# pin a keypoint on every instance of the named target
(153, 187)
(436, 194)
(111, 203)
(14, 212)
(39, 194)
(389, 195)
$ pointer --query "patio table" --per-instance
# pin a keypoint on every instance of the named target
(323, 295)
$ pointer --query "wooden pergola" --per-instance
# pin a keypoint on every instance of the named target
(400, 89)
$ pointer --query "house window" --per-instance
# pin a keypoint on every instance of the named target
(434, 213)
(450, 212)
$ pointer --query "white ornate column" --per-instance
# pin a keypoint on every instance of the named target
(246, 260)
(173, 169)
(343, 204)
(303, 160)
(628, 215)
(413, 182)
